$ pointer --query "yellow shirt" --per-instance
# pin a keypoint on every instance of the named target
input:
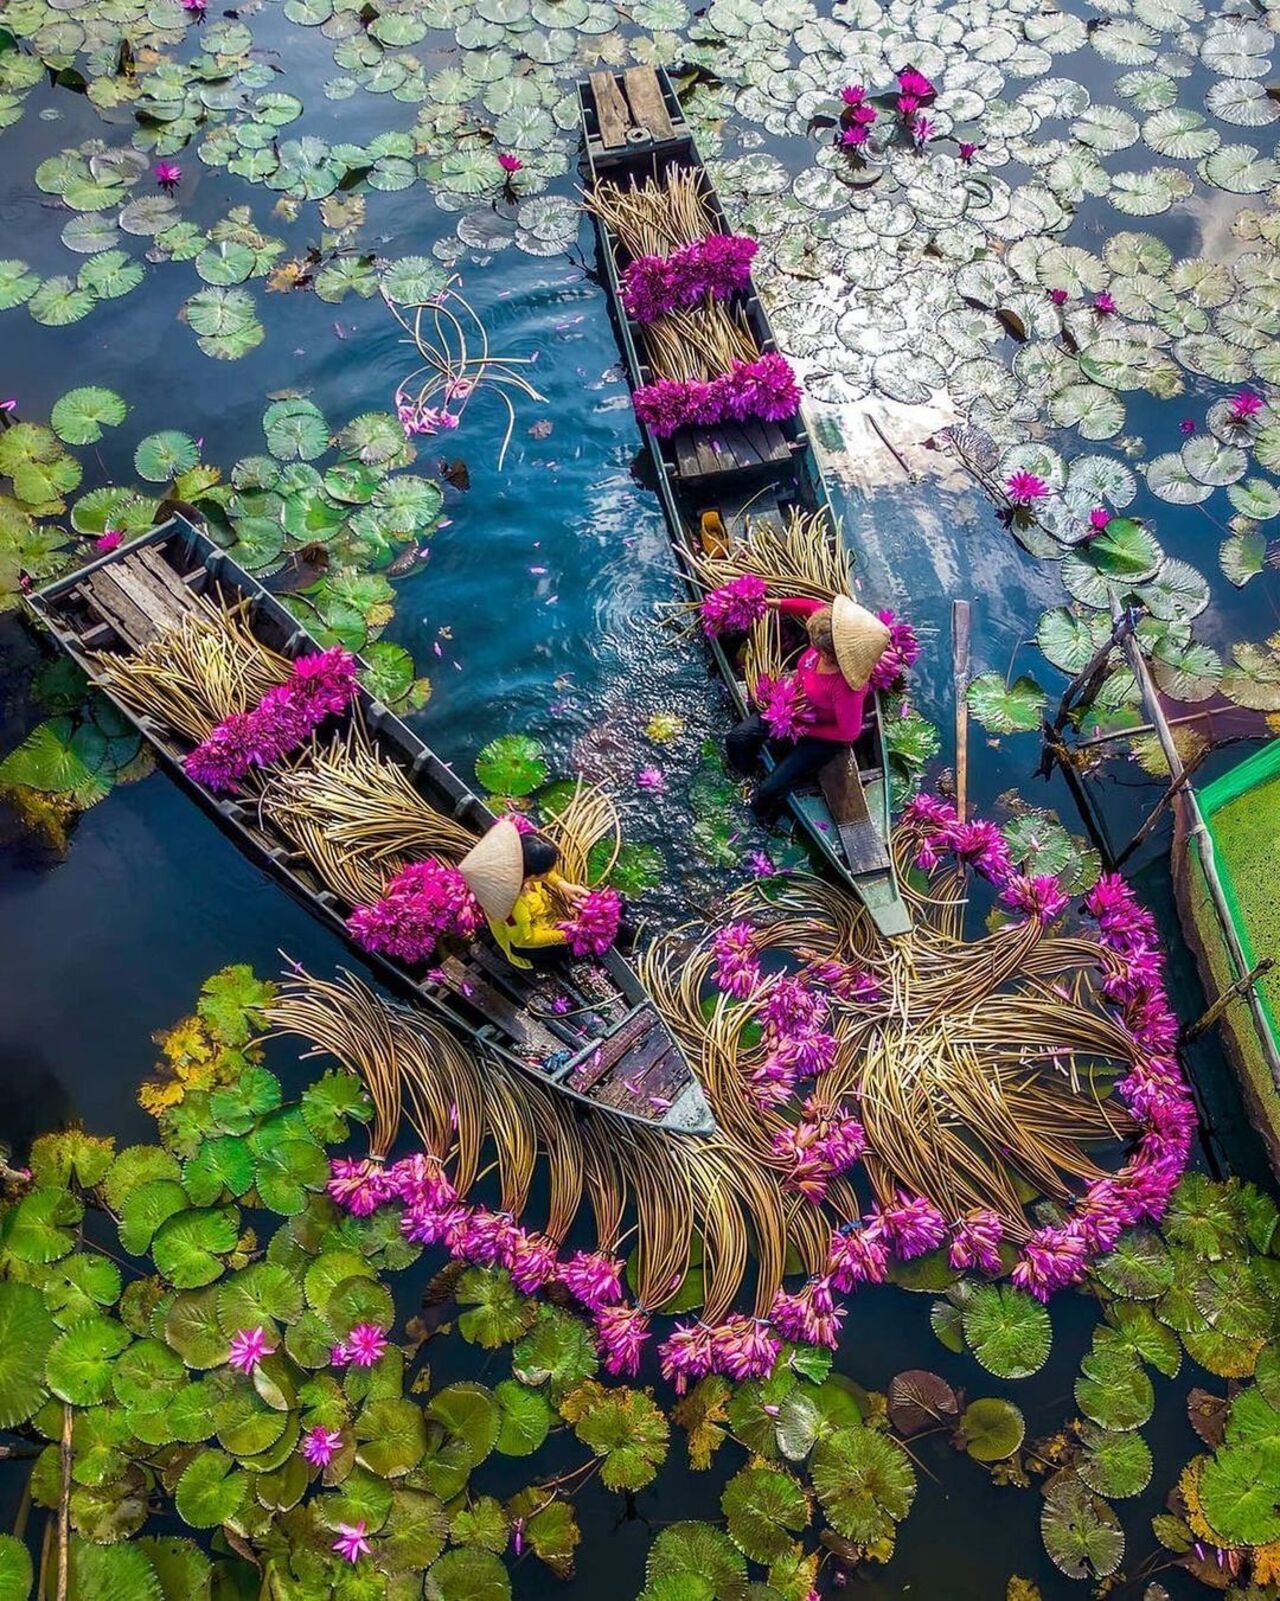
(532, 923)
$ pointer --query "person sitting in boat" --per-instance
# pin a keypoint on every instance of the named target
(515, 877)
(828, 688)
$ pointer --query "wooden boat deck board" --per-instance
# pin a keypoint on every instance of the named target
(127, 599)
(631, 109)
(706, 453)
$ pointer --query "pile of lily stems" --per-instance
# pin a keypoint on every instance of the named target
(652, 218)
(803, 556)
(193, 675)
(986, 1066)
(693, 344)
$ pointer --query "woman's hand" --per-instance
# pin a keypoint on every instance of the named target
(573, 892)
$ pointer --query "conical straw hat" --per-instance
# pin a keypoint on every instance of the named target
(859, 638)
(494, 870)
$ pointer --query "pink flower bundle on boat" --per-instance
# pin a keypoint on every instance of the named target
(424, 903)
(901, 653)
(764, 388)
(716, 266)
(318, 687)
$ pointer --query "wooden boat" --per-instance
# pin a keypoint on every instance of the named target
(609, 1049)
(737, 476)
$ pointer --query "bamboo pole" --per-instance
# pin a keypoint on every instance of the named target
(960, 620)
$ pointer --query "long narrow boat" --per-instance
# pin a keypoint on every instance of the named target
(737, 477)
(588, 1028)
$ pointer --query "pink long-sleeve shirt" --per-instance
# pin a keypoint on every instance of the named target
(837, 709)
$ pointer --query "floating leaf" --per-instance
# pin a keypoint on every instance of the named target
(1006, 708)
(79, 1364)
(1081, 1533)
(17, 284)
(413, 280)
(110, 275)
(991, 1429)
(465, 1574)
(1238, 1495)
(295, 430)
(511, 765)
(765, 1507)
(26, 1334)
(210, 1491)
(1124, 552)
(865, 1482)
(557, 1351)
(187, 1247)
(80, 415)
(623, 1428)
(695, 1560)
(1114, 1390)
(161, 457)
(496, 1312)
(1114, 1465)
(920, 1400)
(526, 1418)
(1007, 1330)
(391, 1437)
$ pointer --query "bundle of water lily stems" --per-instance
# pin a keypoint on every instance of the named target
(961, 1075)
(654, 218)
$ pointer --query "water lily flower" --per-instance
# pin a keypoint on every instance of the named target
(853, 94)
(736, 971)
(195, 7)
(622, 1332)
(908, 105)
(916, 84)
(967, 152)
(592, 1278)
(1244, 406)
(975, 1241)
(593, 926)
(1023, 488)
(168, 174)
(1059, 296)
(1103, 304)
(851, 138)
(248, 1347)
(351, 1543)
(366, 1342)
(320, 1446)
(922, 130)
(1099, 517)
(8, 405)
(517, 1536)
(651, 779)
(108, 540)
(735, 606)
(1187, 425)
(508, 162)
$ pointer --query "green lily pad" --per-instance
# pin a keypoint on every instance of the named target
(80, 415)
(865, 1483)
(466, 1574)
(295, 430)
(511, 765)
(1006, 709)
(16, 1574)
(110, 275)
(495, 1311)
(1008, 1331)
(187, 1247)
(698, 1561)
(765, 1509)
(161, 457)
(1124, 552)
(1081, 1533)
(27, 1333)
(17, 284)
(1114, 1390)
(1238, 1495)
(413, 280)
(1113, 1464)
(469, 1414)
(557, 1351)
(391, 1437)
(210, 1491)
(526, 1418)
(991, 1429)
(60, 301)
(79, 1365)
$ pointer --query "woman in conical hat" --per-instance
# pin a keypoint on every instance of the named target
(845, 643)
(514, 875)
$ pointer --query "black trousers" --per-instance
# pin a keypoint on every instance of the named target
(802, 761)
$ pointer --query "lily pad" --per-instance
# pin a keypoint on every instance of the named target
(80, 415)
(1006, 708)
(865, 1483)
(160, 457)
(511, 765)
(295, 430)
(991, 1429)
(1007, 1330)
(765, 1508)
(26, 1334)
(1081, 1533)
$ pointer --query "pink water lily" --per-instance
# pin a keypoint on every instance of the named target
(508, 162)
(1023, 488)
(651, 779)
(108, 540)
(1103, 304)
(922, 130)
(196, 7)
(168, 174)
(1244, 406)
(1099, 517)
(248, 1347)
(8, 405)
(967, 152)
(1187, 425)
(366, 1343)
(351, 1543)
(1059, 296)
(320, 1446)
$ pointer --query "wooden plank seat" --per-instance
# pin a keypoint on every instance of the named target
(842, 790)
(596, 1063)
(632, 111)
(703, 453)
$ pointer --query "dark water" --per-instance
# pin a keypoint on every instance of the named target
(111, 944)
